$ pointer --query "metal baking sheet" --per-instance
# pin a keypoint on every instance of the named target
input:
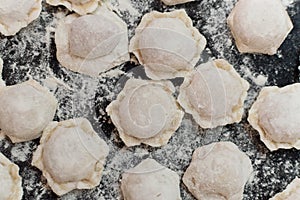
(31, 54)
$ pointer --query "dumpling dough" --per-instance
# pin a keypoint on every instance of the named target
(71, 155)
(10, 180)
(167, 44)
(292, 191)
(146, 112)
(218, 171)
(25, 110)
(276, 115)
(16, 14)
(259, 26)
(150, 180)
(81, 7)
(175, 2)
(214, 94)
(92, 44)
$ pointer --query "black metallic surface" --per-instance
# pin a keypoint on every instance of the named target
(25, 57)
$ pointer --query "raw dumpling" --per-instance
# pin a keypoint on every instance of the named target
(10, 180)
(292, 191)
(218, 171)
(81, 7)
(25, 110)
(16, 14)
(146, 112)
(150, 180)
(276, 116)
(259, 26)
(71, 155)
(214, 94)
(175, 2)
(167, 44)
(92, 44)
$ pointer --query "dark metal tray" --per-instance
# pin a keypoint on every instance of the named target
(31, 54)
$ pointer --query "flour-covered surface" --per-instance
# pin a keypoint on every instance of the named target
(31, 54)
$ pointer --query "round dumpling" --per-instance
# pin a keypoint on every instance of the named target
(17, 14)
(276, 115)
(71, 155)
(25, 110)
(175, 2)
(292, 191)
(214, 94)
(150, 180)
(82, 7)
(146, 112)
(167, 44)
(259, 26)
(86, 27)
(218, 171)
(10, 180)
(92, 44)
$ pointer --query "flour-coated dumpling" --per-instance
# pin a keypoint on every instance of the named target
(146, 112)
(82, 7)
(25, 110)
(92, 44)
(214, 94)
(149, 180)
(259, 26)
(17, 14)
(10, 180)
(167, 44)
(218, 171)
(71, 155)
(292, 191)
(175, 2)
(276, 115)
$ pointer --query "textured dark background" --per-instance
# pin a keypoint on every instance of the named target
(31, 54)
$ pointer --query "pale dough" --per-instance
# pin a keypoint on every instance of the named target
(25, 110)
(214, 94)
(150, 180)
(276, 115)
(71, 155)
(292, 191)
(82, 7)
(92, 44)
(167, 44)
(259, 26)
(17, 14)
(218, 171)
(10, 180)
(146, 112)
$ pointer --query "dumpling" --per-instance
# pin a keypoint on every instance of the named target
(292, 191)
(92, 44)
(175, 2)
(167, 44)
(71, 155)
(17, 14)
(146, 112)
(150, 180)
(82, 7)
(218, 171)
(259, 26)
(25, 110)
(276, 115)
(10, 180)
(214, 94)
